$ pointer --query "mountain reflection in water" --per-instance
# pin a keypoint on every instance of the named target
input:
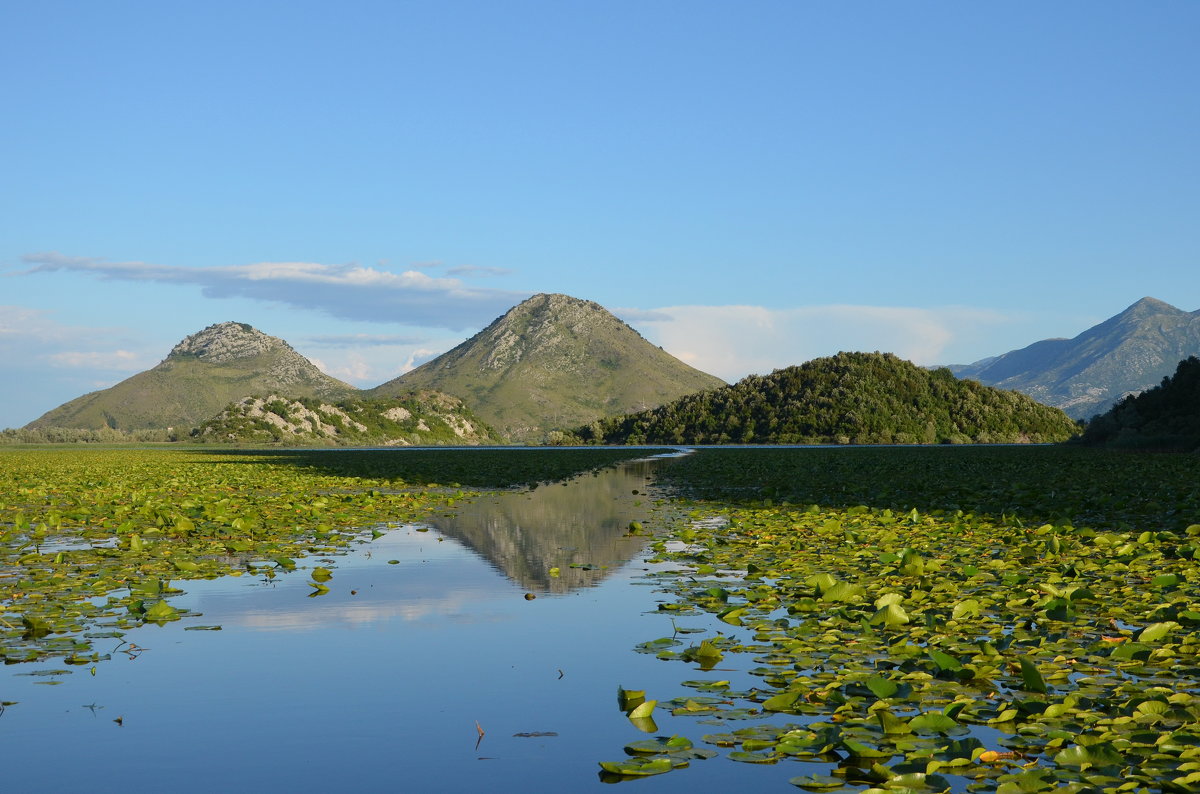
(583, 521)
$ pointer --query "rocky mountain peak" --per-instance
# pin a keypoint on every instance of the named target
(226, 342)
(540, 325)
(1149, 309)
(554, 361)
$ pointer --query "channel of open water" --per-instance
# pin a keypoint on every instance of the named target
(425, 668)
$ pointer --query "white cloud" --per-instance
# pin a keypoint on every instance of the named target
(363, 340)
(21, 323)
(476, 270)
(734, 341)
(31, 334)
(460, 607)
(419, 357)
(56, 362)
(374, 362)
(633, 316)
(349, 292)
(116, 360)
(352, 368)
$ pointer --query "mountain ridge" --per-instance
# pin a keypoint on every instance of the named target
(1084, 375)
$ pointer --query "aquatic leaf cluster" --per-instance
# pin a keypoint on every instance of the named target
(930, 648)
(95, 541)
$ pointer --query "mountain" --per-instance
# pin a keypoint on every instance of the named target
(424, 418)
(1165, 417)
(553, 362)
(1123, 355)
(860, 398)
(201, 375)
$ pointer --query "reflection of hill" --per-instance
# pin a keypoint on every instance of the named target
(581, 521)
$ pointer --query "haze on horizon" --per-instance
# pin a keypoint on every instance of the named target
(749, 187)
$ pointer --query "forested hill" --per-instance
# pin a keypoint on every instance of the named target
(1165, 417)
(860, 398)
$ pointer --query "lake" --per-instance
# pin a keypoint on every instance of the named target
(425, 637)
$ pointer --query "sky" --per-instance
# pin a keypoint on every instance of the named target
(749, 185)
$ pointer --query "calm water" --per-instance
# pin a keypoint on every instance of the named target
(379, 684)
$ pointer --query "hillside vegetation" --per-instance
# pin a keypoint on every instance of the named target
(858, 398)
(1165, 417)
(421, 418)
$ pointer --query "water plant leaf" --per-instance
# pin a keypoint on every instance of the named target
(944, 661)
(891, 724)
(882, 687)
(932, 723)
(784, 701)
(1101, 754)
(638, 766)
(658, 745)
(891, 615)
(161, 612)
(1156, 631)
(644, 724)
(1031, 679)
(967, 608)
(629, 699)
(753, 757)
(818, 782)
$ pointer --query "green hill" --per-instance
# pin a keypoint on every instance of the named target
(860, 398)
(554, 362)
(201, 375)
(423, 418)
(1165, 417)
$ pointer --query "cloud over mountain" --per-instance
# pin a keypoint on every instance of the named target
(733, 341)
(351, 292)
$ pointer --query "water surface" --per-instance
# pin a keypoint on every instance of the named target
(383, 683)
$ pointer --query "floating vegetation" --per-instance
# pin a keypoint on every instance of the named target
(907, 642)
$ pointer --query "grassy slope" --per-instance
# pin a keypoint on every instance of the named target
(179, 392)
(554, 364)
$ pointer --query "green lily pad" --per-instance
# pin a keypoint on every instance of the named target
(638, 767)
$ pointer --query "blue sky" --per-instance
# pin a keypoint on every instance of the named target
(750, 185)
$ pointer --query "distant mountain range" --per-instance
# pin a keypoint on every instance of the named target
(554, 362)
(1084, 376)
(550, 362)
(860, 398)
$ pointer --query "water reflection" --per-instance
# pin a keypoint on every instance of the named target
(379, 684)
(582, 522)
